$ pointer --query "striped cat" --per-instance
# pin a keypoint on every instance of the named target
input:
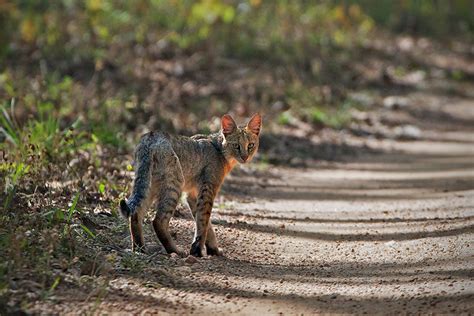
(167, 166)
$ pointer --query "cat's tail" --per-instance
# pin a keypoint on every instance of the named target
(141, 185)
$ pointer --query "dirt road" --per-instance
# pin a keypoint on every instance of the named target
(388, 232)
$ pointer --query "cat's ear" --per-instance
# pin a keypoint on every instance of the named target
(228, 124)
(255, 124)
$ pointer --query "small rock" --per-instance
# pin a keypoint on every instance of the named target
(191, 260)
(178, 70)
(407, 132)
(279, 106)
(395, 102)
(228, 296)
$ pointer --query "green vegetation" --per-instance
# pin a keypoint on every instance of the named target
(86, 59)
(80, 80)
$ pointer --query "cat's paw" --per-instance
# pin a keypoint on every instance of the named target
(196, 249)
(214, 251)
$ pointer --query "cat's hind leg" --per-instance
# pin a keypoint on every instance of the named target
(136, 222)
(171, 181)
(136, 231)
(135, 207)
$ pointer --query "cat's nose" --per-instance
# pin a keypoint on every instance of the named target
(244, 157)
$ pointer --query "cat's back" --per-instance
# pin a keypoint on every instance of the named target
(194, 152)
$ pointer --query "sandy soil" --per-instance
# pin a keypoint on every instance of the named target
(388, 232)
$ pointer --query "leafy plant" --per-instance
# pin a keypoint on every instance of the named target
(284, 118)
(72, 208)
(11, 181)
(7, 126)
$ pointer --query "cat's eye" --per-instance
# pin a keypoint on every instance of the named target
(236, 146)
(251, 145)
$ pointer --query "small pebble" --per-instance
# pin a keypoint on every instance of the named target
(191, 260)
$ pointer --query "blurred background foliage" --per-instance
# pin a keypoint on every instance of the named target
(73, 30)
(112, 66)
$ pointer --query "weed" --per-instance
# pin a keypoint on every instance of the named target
(458, 75)
(11, 181)
(285, 118)
(7, 126)
(54, 216)
(71, 211)
(101, 188)
(133, 261)
(47, 293)
(72, 208)
(106, 135)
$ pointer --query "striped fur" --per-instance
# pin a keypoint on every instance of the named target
(170, 165)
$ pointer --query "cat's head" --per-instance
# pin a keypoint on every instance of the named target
(240, 142)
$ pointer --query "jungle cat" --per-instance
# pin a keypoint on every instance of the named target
(167, 166)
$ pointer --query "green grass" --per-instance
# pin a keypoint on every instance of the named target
(7, 126)
(11, 181)
(285, 118)
(335, 119)
(41, 226)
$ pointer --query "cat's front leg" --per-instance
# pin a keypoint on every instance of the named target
(212, 248)
(205, 200)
